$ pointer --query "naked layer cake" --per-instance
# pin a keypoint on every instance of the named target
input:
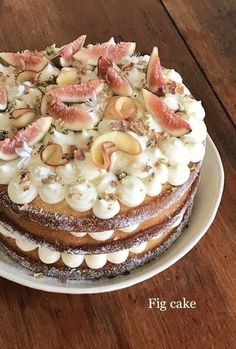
(100, 156)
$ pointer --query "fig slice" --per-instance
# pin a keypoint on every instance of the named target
(67, 51)
(24, 61)
(71, 118)
(117, 82)
(120, 108)
(106, 144)
(155, 79)
(115, 52)
(22, 117)
(52, 155)
(78, 93)
(26, 75)
(170, 122)
(30, 135)
(3, 96)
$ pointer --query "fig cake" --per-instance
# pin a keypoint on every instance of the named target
(100, 156)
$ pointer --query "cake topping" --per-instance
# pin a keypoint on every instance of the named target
(95, 125)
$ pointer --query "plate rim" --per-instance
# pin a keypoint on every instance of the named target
(123, 281)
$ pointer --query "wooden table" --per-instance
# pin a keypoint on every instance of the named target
(197, 38)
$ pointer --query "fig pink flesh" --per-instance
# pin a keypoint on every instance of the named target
(118, 83)
(70, 49)
(170, 122)
(24, 61)
(72, 117)
(28, 135)
(79, 92)
(115, 52)
(3, 96)
(155, 80)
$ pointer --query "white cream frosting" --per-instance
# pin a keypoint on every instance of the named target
(130, 229)
(17, 193)
(48, 256)
(102, 236)
(178, 174)
(131, 191)
(25, 245)
(172, 101)
(139, 248)
(193, 108)
(8, 170)
(105, 209)
(196, 151)
(198, 133)
(87, 169)
(107, 184)
(64, 139)
(72, 260)
(67, 173)
(48, 73)
(161, 171)
(52, 193)
(153, 185)
(118, 257)
(141, 167)
(174, 149)
(96, 261)
(81, 196)
(171, 74)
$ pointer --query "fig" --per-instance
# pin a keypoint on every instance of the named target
(3, 96)
(24, 61)
(30, 135)
(22, 117)
(77, 93)
(120, 108)
(155, 80)
(67, 51)
(71, 118)
(106, 144)
(114, 52)
(117, 82)
(170, 121)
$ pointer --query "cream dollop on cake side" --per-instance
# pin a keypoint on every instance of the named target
(166, 155)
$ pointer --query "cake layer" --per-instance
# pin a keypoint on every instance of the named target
(64, 241)
(88, 268)
(61, 217)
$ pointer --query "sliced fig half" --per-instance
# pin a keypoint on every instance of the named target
(171, 122)
(22, 117)
(78, 92)
(72, 118)
(67, 51)
(155, 80)
(115, 52)
(106, 144)
(31, 135)
(24, 61)
(117, 82)
(3, 96)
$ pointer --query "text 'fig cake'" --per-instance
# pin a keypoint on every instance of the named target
(100, 155)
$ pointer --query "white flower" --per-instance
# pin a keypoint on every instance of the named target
(25, 153)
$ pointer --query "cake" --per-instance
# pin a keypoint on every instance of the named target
(100, 156)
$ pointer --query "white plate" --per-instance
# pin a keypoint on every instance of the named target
(206, 204)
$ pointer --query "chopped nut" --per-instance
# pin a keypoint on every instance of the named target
(122, 175)
(118, 125)
(156, 137)
(38, 275)
(170, 87)
(179, 90)
(113, 184)
(147, 168)
(79, 154)
(25, 181)
(50, 179)
(139, 127)
(90, 142)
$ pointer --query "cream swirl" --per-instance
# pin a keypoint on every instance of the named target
(96, 261)
(87, 169)
(198, 133)
(52, 193)
(48, 256)
(21, 194)
(153, 185)
(196, 151)
(118, 257)
(130, 229)
(131, 191)
(72, 260)
(171, 74)
(174, 149)
(178, 174)
(172, 101)
(102, 236)
(67, 173)
(139, 248)
(25, 245)
(141, 167)
(81, 196)
(107, 184)
(193, 108)
(161, 171)
(8, 170)
(105, 209)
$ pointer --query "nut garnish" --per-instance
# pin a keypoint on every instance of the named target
(52, 155)
(156, 137)
(79, 154)
(139, 127)
(119, 125)
(25, 180)
(120, 108)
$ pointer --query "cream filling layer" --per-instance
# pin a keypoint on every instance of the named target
(93, 261)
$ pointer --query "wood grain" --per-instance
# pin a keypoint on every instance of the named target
(209, 28)
(34, 319)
